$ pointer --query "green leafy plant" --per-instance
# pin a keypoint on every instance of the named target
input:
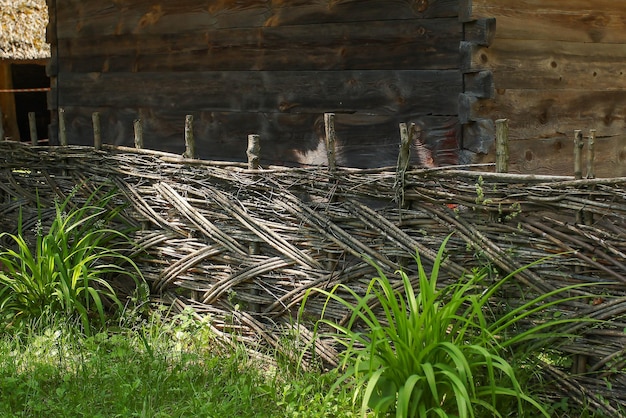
(437, 352)
(68, 266)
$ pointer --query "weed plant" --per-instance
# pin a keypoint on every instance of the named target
(66, 270)
(439, 351)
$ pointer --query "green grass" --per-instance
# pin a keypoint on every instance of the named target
(153, 368)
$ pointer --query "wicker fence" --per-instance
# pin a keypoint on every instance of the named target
(245, 245)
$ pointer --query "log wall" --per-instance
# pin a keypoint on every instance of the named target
(265, 67)
(557, 66)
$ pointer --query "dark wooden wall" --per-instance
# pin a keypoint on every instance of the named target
(557, 66)
(263, 66)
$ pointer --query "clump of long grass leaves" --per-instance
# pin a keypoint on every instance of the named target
(66, 270)
(439, 352)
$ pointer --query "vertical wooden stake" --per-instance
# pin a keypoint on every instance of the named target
(502, 146)
(62, 132)
(97, 137)
(591, 154)
(578, 164)
(190, 147)
(254, 148)
(2, 138)
(32, 125)
(331, 153)
(138, 128)
(404, 157)
(578, 154)
(253, 152)
(331, 138)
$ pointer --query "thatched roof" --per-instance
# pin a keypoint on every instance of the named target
(23, 29)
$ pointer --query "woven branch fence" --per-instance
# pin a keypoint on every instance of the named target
(244, 246)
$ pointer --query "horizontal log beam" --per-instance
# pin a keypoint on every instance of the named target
(78, 18)
(369, 92)
(406, 44)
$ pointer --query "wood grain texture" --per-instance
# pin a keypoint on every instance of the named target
(597, 21)
(554, 65)
(555, 156)
(88, 18)
(554, 113)
(406, 44)
(271, 67)
(370, 92)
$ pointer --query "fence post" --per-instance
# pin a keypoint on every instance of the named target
(578, 154)
(578, 165)
(97, 137)
(190, 147)
(331, 153)
(253, 153)
(329, 123)
(138, 129)
(32, 126)
(404, 157)
(502, 146)
(591, 156)
(62, 132)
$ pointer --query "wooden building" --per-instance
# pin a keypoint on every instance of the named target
(24, 54)
(267, 67)
(557, 66)
(275, 67)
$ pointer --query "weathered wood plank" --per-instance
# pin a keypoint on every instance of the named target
(363, 140)
(555, 156)
(369, 92)
(553, 113)
(407, 44)
(554, 65)
(598, 21)
(86, 18)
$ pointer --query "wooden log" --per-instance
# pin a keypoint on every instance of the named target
(84, 18)
(190, 145)
(550, 113)
(502, 146)
(583, 21)
(138, 129)
(480, 84)
(404, 157)
(550, 64)
(253, 153)
(62, 129)
(32, 127)
(411, 92)
(480, 32)
(331, 140)
(2, 138)
(578, 165)
(466, 10)
(426, 44)
(578, 154)
(591, 154)
(97, 135)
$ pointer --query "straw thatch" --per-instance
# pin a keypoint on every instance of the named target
(244, 246)
(23, 30)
